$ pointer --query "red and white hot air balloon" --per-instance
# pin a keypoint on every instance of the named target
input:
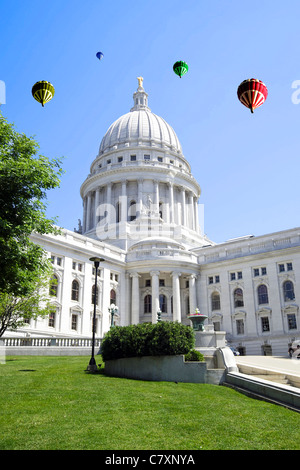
(252, 93)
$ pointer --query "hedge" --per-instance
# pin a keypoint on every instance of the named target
(146, 339)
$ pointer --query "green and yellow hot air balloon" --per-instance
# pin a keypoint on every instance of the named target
(43, 91)
(180, 68)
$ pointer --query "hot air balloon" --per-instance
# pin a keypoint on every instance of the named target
(252, 93)
(180, 68)
(43, 91)
(99, 55)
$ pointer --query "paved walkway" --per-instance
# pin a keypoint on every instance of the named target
(278, 364)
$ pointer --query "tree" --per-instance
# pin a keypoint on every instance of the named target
(25, 178)
(15, 311)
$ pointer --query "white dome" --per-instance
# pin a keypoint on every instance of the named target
(140, 127)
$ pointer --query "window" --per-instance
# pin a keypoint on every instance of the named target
(51, 321)
(93, 295)
(265, 326)
(132, 211)
(74, 322)
(120, 159)
(288, 291)
(148, 283)
(132, 158)
(161, 283)
(240, 275)
(113, 297)
(210, 280)
(263, 271)
(160, 159)
(75, 290)
(281, 268)
(289, 266)
(163, 303)
(232, 276)
(147, 304)
(146, 157)
(108, 161)
(53, 289)
(238, 298)
(262, 292)
(292, 323)
(215, 301)
(240, 327)
(217, 279)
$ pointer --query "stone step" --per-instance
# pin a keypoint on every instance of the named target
(273, 378)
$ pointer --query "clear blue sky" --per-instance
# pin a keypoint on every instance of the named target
(246, 164)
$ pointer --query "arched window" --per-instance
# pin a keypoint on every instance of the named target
(215, 301)
(238, 298)
(53, 288)
(288, 291)
(132, 211)
(262, 293)
(113, 297)
(75, 290)
(93, 295)
(163, 303)
(148, 304)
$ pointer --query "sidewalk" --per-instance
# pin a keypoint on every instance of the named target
(278, 364)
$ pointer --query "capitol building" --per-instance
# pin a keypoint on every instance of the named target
(141, 215)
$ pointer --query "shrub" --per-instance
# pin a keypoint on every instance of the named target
(145, 339)
(194, 355)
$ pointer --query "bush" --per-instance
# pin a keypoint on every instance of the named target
(194, 355)
(145, 339)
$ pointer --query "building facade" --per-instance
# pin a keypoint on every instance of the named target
(141, 215)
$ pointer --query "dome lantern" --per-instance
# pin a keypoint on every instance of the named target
(140, 98)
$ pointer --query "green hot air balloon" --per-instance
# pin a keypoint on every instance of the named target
(180, 68)
(43, 91)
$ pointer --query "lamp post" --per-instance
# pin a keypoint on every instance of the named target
(92, 364)
(112, 310)
(159, 314)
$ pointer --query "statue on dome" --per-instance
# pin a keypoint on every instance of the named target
(140, 80)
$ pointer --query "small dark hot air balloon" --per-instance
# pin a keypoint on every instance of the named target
(180, 68)
(252, 93)
(43, 91)
(99, 55)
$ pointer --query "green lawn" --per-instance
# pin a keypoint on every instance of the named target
(52, 403)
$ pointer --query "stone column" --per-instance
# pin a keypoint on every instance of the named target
(191, 212)
(135, 299)
(97, 199)
(155, 294)
(140, 198)
(88, 212)
(124, 202)
(196, 215)
(183, 208)
(192, 293)
(84, 215)
(176, 296)
(171, 197)
(108, 203)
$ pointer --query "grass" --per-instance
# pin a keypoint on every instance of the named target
(51, 403)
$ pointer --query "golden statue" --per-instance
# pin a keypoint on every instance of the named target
(140, 80)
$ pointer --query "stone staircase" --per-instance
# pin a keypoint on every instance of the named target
(272, 376)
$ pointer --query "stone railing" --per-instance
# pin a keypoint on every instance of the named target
(39, 342)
